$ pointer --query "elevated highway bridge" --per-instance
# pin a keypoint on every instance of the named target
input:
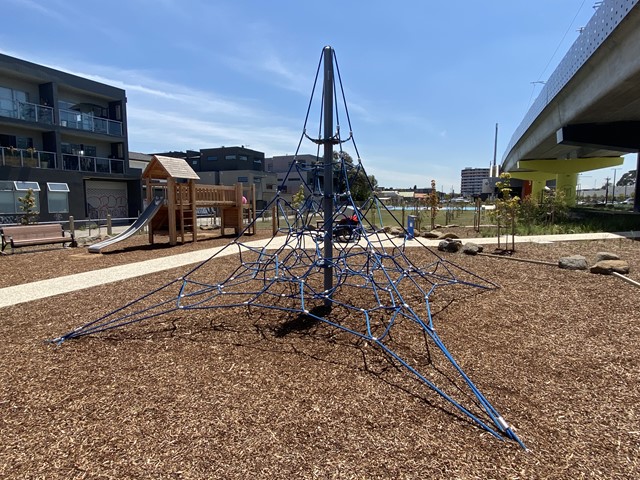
(588, 113)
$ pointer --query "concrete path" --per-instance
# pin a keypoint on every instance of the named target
(46, 288)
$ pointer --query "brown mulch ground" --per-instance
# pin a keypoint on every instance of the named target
(225, 394)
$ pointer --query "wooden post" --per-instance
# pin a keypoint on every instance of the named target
(109, 226)
(72, 226)
(149, 200)
(181, 198)
(274, 221)
(194, 209)
(252, 214)
(239, 206)
(171, 206)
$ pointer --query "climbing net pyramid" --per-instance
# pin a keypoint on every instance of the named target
(333, 262)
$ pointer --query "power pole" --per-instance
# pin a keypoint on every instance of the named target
(613, 188)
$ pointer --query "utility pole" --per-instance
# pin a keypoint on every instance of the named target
(613, 188)
(606, 191)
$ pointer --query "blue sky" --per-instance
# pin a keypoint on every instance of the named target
(425, 81)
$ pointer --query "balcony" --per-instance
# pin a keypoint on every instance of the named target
(89, 123)
(28, 157)
(29, 112)
(80, 163)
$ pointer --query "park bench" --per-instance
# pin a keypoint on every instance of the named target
(40, 234)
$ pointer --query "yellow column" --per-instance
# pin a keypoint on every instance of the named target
(536, 189)
(566, 183)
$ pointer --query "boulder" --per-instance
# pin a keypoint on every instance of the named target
(396, 231)
(449, 245)
(607, 267)
(450, 235)
(573, 262)
(431, 234)
(606, 256)
(471, 248)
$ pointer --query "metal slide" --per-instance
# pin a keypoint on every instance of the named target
(140, 222)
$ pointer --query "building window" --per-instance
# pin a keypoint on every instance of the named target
(243, 158)
(58, 197)
(10, 192)
(243, 179)
(211, 158)
(229, 157)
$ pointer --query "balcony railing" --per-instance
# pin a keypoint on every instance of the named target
(92, 164)
(29, 112)
(88, 122)
(32, 112)
(18, 157)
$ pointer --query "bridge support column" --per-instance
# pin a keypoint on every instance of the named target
(536, 190)
(567, 183)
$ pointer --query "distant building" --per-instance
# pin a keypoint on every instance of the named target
(231, 165)
(139, 160)
(229, 158)
(303, 173)
(471, 181)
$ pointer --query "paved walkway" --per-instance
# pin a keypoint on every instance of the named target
(46, 288)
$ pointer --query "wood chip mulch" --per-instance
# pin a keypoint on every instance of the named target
(230, 394)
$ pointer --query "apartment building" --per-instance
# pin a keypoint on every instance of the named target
(471, 181)
(64, 137)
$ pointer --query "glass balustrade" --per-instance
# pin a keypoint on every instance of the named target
(92, 164)
(89, 122)
(28, 111)
(19, 157)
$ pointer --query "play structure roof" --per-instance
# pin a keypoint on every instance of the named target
(169, 167)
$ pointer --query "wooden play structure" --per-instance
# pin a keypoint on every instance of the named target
(175, 181)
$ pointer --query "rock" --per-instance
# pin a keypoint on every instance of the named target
(607, 267)
(449, 245)
(471, 248)
(432, 234)
(397, 231)
(606, 256)
(574, 262)
(449, 235)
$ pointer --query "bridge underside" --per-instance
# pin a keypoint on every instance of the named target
(564, 172)
(590, 120)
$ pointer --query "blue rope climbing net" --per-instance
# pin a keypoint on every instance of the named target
(382, 291)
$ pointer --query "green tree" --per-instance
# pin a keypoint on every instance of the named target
(433, 201)
(506, 212)
(28, 206)
(298, 198)
(360, 184)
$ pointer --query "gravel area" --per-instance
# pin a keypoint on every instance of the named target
(234, 394)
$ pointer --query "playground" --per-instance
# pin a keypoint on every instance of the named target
(255, 392)
(340, 350)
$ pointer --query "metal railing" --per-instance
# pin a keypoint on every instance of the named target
(92, 164)
(89, 122)
(27, 157)
(30, 112)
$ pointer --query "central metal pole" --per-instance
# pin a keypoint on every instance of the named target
(328, 171)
